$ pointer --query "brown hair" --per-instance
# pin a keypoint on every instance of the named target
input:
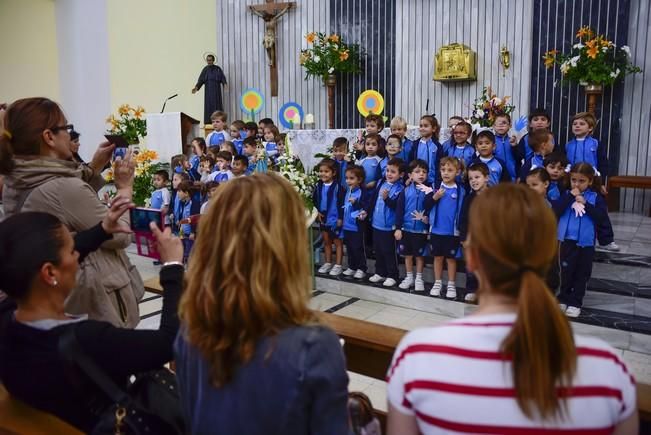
(464, 124)
(513, 258)
(452, 161)
(340, 142)
(540, 173)
(226, 155)
(328, 163)
(479, 167)
(219, 115)
(357, 171)
(274, 130)
(235, 298)
(586, 169)
(378, 140)
(587, 117)
(431, 119)
(184, 186)
(238, 123)
(376, 119)
(538, 137)
(178, 160)
(24, 123)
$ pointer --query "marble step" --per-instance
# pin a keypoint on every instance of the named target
(618, 313)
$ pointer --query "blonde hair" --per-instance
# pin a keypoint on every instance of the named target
(398, 122)
(587, 117)
(513, 257)
(250, 277)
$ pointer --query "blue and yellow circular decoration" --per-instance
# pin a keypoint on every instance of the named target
(370, 101)
(252, 101)
(288, 112)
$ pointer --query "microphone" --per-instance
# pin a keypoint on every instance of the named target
(166, 100)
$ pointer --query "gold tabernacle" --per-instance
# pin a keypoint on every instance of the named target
(455, 62)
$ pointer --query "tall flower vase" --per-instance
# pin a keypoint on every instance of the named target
(331, 82)
(593, 91)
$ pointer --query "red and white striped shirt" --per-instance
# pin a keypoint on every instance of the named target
(454, 380)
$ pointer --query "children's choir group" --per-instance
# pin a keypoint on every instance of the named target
(412, 198)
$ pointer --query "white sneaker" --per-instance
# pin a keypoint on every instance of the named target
(407, 283)
(360, 274)
(389, 282)
(451, 292)
(349, 272)
(612, 246)
(376, 278)
(573, 312)
(336, 270)
(419, 285)
(470, 297)
(563, 307)
(436, 289)
(325, 268)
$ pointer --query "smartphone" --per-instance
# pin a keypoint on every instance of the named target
(140, 218)
(117, 140)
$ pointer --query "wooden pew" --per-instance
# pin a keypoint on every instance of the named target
(369, 348)
(616, 182)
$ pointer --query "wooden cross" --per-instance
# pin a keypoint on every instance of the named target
(271, 12)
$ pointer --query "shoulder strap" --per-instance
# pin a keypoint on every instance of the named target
(71, 351)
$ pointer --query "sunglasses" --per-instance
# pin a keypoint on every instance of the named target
(69, 128)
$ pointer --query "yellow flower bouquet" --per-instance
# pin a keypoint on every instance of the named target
(594, 60)
(129, 123)
(328, 55)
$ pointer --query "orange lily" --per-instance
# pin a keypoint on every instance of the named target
(334, 38)
(343, 55)
(137, 113)
(124, 109)
(584, 32)
(310, 37)
(593, 48)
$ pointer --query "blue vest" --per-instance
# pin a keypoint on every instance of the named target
(237, 143)
(370, 165)
(414, 201)
(216, 138)
(536, 161)
(429, 153)
(581, 229)
(157, 199)
(384, 218)
(272, 148)
(351, 211)
(341, 172)
(579, 151)
(528, 152)
(182, 210)
(448, 145)
(503, 151)
(444, 216)
(465, 154)
(404, 153)
(383, 166)
(326, 201)
(553, 192)
(495, 171)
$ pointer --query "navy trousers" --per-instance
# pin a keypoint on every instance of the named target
(354, 241)
(386, 260)
(576, 268)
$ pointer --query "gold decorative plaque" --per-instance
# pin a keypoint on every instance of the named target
(455, 62)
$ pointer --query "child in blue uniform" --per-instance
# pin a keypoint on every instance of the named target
(485, 145)
(374, 125)
(460, 148)
(374, 148)
(222, 171)
(340, 156)
(354, 215)
(272, 141)
(393, 150)
(398, 126)
(235, 132)
(538, 119)
(555, 164)
(477, 174)
(382, 216)
(328, 198)
(428, 149)
(198, 151)
(541, 142)
(585, 148)
(411, 225)
(160, 198)
(218, 134)
(581, 210)
(250, 150)
(504, 149)
(453, 121)
(183, 211)
(444, 207)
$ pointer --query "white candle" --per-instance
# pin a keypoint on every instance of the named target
(309, 118)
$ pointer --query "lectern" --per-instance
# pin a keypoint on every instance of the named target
(170, 133)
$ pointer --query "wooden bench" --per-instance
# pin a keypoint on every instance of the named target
(615, 183)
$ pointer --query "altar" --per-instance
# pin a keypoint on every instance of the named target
(306, 143)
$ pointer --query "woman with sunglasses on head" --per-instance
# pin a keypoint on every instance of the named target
(35, 157)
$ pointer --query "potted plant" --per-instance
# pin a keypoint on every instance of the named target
(129, 123)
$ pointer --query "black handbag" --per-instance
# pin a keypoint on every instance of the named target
(150, 406)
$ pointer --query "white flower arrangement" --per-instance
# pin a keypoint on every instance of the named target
(292, 169)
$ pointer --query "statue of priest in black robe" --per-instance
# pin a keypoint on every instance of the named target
(212, 76)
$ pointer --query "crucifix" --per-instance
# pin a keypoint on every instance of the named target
(271, 12)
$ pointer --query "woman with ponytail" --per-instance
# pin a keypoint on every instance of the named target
(513, 366)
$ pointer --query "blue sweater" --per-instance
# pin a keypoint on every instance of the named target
(430, 152)
(444, 213)
(465, 154)
(182, 210)
(409, 201)
(352, 211)
(295, 384)
(370, 165)
(587, 150)
(405, 152)
(497, 168)
(508, 154)
(536, 161)
(329, 202)
(383, 212)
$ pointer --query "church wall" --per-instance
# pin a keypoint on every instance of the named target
(29, 54)
(156, 50)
